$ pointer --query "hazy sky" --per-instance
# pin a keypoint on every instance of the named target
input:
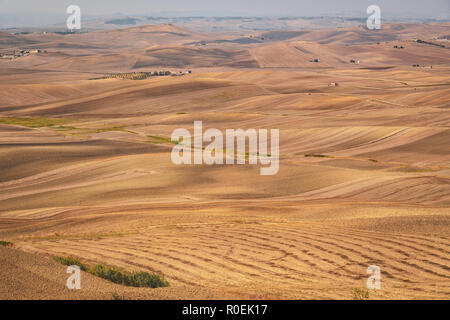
(15, 13)
(417, 8)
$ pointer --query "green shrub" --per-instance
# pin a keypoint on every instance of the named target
(116, 128)
(34, 122)
(70, 261)
(317, 156)
(156, 139)
(131, 279)
(6, 243)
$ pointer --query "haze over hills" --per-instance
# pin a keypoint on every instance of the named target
(364, 172)
(168, 46)
(207, 23)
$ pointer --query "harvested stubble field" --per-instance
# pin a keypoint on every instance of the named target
(364, 173)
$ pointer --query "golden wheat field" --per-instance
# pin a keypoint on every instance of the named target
(364, 171)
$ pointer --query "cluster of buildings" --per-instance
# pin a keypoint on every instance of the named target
(144, 75)
(171, 73)
(21, 53)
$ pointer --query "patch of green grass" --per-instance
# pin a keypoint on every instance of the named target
(35, 122)
(360, 294)
(318, 156)
(257, 154)
(70, 261)
(6, 243)
(156, 139)
(55, 124)
(109, 129)
(116, 275)
(248, 154)
(131, 279)
(64, 128)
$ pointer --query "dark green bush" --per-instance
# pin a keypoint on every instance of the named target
(70, 261)
(131, 279)
(6, 243)
(318, 156)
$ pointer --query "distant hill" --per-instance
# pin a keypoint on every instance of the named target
(8, 40)
(169, 46)
(124, 21)
(359, 35)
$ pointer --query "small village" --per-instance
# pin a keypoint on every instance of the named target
(21, 53)
(144, 75)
